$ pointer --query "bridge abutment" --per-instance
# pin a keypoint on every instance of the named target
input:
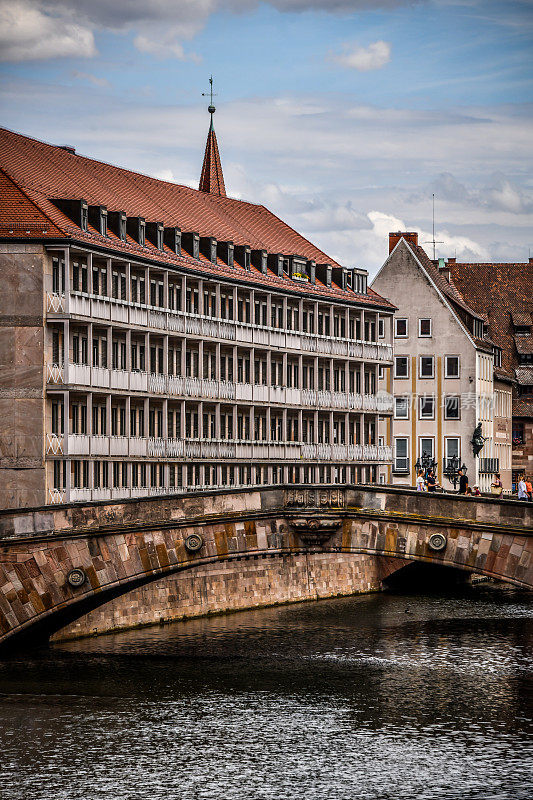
(220, 588)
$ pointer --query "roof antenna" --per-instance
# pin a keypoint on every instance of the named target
(211, 108)
(433, 241)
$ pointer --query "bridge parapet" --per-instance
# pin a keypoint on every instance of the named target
(370, 500)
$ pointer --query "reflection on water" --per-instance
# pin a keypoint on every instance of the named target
(374, 697)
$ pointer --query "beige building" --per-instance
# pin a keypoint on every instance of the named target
(444, 376)
(156, 338)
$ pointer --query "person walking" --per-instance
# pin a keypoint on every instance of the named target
(420, 486)
(463, 482)
(496, 487)
(522, 490)
(431, 481)
(529, 488)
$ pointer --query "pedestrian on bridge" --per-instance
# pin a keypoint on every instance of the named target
(522, 489)
(463, 482)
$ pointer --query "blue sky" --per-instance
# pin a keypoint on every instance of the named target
(342, 116)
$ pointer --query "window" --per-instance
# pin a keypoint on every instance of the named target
(401, 366)
(401, 328)
(427, 407)
(451, 366)
(497, 356)
(426, 445)
(424, 327)
(427, 366)
(518, 433)
(452, 407)
(381, 328)
(451, 448)
(401, 454)
(401, 408)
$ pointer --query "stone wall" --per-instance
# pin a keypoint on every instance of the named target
(218, 588)
(22, 476)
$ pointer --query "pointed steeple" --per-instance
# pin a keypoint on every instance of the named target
(212, 179)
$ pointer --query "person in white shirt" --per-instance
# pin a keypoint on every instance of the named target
(522, 490)
(420, 481)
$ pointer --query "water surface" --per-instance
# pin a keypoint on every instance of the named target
(372, 697)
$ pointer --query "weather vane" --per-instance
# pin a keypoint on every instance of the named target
(210, 94)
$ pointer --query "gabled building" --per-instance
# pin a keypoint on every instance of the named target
(446, 378)
(504, 294)
(156, 338)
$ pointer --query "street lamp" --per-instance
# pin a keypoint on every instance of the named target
(451, 469)
(425, 462)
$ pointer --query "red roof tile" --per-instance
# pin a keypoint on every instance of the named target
(43, 171)
(501, 291)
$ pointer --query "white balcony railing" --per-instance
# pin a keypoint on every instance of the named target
(54, 444)
(115, 310)
(55, 303)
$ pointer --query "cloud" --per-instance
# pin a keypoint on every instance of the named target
(164, 47)
(42, 29)
(364, 59)
(343, 185)
(29, 32)
(498, 193)
(100, 83)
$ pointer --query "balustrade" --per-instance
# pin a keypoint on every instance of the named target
(114, 310)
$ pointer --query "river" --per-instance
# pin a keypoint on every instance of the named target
(363, 698)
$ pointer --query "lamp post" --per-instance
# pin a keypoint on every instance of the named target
(451, 469)
(425, 462)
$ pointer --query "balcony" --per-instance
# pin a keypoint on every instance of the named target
(202, 388)
(489, 466)
(114, 310)
(347, 452)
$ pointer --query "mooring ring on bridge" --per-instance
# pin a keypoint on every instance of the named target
(194, 542)
(437, 541)
(77, 577)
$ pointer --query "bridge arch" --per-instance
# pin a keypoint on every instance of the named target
(123, 546)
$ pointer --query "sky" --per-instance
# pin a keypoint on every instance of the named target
(343, 117)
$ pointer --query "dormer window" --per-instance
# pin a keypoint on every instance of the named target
(172, 239)
(84, 215)
(98, 219)
(191, 242)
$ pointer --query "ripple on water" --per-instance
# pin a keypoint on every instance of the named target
(337, 699)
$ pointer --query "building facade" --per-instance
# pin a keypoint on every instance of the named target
(155, 338)
(444, 378)
(503, 292)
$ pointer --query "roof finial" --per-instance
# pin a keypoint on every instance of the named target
(211, 108)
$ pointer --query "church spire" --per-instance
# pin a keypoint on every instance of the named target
(212, 179)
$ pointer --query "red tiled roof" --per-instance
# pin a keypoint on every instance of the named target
(500, 291)
(447, 288)
(43, 171)
(524, 344)
(522, 408)
(212, 179)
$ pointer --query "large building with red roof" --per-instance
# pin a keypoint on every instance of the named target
(156, 338)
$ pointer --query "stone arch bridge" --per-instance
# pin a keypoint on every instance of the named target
(58, 563)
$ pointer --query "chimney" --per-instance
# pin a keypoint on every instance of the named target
(531, 259)
(409, 236)
(444, 269)
(452, 261)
